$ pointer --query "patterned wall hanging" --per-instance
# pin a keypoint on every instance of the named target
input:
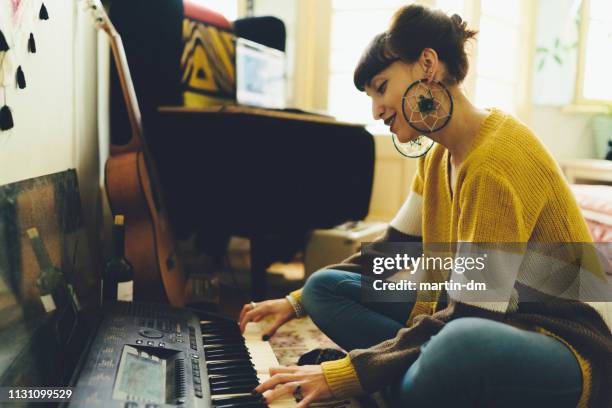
(17, 41)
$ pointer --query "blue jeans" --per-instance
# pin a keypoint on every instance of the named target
(471, 362)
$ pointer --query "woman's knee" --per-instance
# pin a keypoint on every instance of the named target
(319, 286)
(465, 346)
(483, 357)
(452, 354)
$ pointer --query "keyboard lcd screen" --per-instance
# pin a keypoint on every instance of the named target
(141, 377)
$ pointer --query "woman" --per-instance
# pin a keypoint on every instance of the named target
(487, 179)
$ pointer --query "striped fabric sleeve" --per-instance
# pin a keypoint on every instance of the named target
(409, 218)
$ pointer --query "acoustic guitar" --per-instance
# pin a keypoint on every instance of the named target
(130, 181)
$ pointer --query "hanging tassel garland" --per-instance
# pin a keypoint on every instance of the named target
(32, 44)
(3, 44)
(6, 118)
(43, 14)
(21, 82)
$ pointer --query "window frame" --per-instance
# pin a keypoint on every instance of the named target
(580, 103)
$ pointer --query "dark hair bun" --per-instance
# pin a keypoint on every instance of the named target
(457, 19)
(461, 27)
(414, 28)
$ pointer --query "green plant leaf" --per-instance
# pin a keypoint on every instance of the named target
(541, 64)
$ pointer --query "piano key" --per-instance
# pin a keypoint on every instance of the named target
(218, 324)
(217, 354)
(250, 381)
(212, 352)
(238, 399)
(223, 339)
(234, 376)
(263, 358)
(244, 405)
(217, 340)
(226, 349)
(228, 356)
(235, 389)
(231, 369)
(229, 329)
(229, 362)
(239, 379)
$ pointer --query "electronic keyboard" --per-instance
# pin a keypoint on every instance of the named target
(154, 356)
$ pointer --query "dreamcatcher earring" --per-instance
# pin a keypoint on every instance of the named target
(428, 114)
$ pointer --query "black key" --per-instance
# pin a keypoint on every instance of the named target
(235, 389)
(232, 356)
(244, 405)
(223, 346)
(231, 370)
(218, 349)
(233, 380)
(231, 329)
(231, 367)
(227, 350)
(247, 381)
(230, 334)
(205, 329)
(228, 362)
(236, 399)
(223, 339)
(256, 400)
(218, 341)
(212, 326)
(232, 376)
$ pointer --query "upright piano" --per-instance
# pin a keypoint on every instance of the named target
(227, 170)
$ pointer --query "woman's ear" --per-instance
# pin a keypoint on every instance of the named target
(429, 62)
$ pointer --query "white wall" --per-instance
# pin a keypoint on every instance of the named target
(55, 116)
(567, 135)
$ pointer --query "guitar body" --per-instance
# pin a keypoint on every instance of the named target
(149, 243)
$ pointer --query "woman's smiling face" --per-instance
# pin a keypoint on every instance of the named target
(386, 89)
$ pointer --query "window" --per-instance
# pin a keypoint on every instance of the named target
(499, 57)
(595, 64)
(498, 77)
(353, 24)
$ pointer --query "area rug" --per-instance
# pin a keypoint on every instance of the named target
(297, 337)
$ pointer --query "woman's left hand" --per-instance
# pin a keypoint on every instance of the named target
(285, 380)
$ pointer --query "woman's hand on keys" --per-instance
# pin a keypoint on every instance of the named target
(280, 309)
